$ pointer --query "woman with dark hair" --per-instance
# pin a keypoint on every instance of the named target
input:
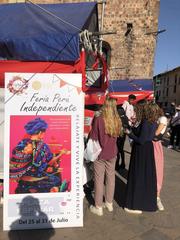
(139, 115)
(141, 189)
(32, 164)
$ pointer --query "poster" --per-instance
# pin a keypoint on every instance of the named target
(1, 131)
(43, 151)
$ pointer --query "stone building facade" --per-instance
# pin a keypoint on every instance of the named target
(167, 87)
(133, 46)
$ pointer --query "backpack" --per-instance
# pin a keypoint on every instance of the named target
(123, 117)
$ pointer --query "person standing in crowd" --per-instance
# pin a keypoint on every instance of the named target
(139, 113)
(175, 129)
(121, 139)
(106, 128)
(158, 153)
(129, 108)
(172, 109)
(141, 192)
(170, 114)
(137, 116)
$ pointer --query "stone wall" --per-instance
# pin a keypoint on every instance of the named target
(132, 51)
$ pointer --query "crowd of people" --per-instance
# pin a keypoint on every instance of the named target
(174, 126)
(144, 124)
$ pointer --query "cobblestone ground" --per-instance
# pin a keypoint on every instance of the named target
(120, 225)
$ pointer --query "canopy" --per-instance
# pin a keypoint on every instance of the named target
(42, 67)
(133, 85)
(27, 32)
(121, 89)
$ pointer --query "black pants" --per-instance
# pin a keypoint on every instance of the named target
(120, 154)
(175, 132)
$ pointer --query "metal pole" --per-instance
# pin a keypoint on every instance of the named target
(102, 25)
(103, 33)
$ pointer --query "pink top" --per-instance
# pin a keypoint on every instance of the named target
(107, 143)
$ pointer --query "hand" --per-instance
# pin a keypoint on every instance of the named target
(127, 131)
(64, 151)
(28, 149)
(133, 119)
(53, 161)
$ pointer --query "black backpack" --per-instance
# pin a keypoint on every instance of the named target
(123, 117)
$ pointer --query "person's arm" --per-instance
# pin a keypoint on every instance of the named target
(124, 106)
(145, 134)
(98, 130)
(175, 119)
(160, 128)
(94, 130)
(56, 158)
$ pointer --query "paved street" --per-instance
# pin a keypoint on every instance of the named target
(120, 225)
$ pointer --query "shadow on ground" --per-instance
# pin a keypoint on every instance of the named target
(31, 218)
(120, 187)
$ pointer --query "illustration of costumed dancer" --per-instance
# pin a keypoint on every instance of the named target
(33, 165)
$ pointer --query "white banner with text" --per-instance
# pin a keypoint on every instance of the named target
(43, 151)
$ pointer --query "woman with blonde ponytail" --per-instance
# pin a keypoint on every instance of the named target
(106, 128)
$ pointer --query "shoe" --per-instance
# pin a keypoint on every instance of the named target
(170, 146)
(133, 211)
(96, 210)
(109, 206)
(159, 204)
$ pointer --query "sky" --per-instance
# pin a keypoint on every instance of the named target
(167, 55)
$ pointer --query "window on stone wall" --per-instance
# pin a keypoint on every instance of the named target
(167, 91)
(174, 89)
(106, 49)
(175, 79)
(168, 80)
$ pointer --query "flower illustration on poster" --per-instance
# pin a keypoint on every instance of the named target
(17, 85)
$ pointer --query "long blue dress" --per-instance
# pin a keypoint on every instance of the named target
(141, 192)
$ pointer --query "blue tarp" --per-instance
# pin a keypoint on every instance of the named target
(131, 85)
(29, 33)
